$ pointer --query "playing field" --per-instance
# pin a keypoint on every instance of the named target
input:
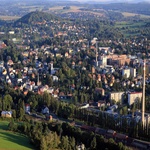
(12, 141)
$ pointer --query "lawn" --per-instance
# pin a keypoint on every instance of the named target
(12, 141)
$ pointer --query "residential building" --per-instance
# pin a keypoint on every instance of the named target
(133, 72)
(7, 114)
(134, 97)
(117, 96)
(126, 72)
(103, 60)
(120, 60)
(100, 91)
(129, 72)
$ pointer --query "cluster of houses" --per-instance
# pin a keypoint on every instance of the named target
(108, 62)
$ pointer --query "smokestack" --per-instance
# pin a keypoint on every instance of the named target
(38, 82)
(96, 53)
(143, 96)
(88, 44)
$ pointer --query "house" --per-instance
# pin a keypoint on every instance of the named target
(81, 147)
(129, 72)
(103, 60)
(45, 110)
(117, 96)
(27, 108)
(126, 72)
(100, 91)
(2, 45)
(65, 98)
(84, 106)
(49, 117)
(6, 114)
(101, 103)
(10, 62)
(11, 32)
(55, 78)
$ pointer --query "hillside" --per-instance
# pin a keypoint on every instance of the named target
(35, 16)
(139, 8)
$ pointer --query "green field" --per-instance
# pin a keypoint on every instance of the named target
(130, 28)
(12, 141)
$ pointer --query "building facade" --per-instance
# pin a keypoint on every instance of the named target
(134, 97)
(117, 96)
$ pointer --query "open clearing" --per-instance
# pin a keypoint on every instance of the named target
(12, 141)
(127, 14)
(9, 17)
(75, 9)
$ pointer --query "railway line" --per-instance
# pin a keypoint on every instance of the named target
(118, 137)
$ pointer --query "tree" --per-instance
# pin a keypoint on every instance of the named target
(72, 143)
(93, 144)
(49, 80)
(7, 102)
(121, 146)
(14, 113)
(46, 99)
(20, 109)
(43, 145)
(64, 145)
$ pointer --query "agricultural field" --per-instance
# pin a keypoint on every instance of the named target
(12, 141)
(130, 28)
(127, 14)
(6, 18)
(75, 9)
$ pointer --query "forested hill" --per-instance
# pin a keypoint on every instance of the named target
(35, 16)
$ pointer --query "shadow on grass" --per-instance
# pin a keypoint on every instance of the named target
(4, 125)
(16, 138)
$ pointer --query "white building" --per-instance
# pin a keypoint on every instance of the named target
(134, 97)
(117, 96)
(45, 110)
(133, 72)
(11, 32)
(126, 72)
(55, 78)
(129, 72)
(103, 60)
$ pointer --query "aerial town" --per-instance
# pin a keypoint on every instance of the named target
(80, 74)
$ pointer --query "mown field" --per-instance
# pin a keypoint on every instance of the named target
(127, 14)
(130, 28)
(75, 9)
(9, 17)
(12, 141)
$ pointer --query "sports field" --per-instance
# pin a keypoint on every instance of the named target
(12, 141)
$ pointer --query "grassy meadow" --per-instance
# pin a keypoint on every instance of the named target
(12, 141)
(129, 28)
(6, 18)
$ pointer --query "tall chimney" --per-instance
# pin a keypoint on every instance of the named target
(96, 53)
(38, 81)
(143, 96)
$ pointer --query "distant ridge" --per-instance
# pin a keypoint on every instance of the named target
(112, 1)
